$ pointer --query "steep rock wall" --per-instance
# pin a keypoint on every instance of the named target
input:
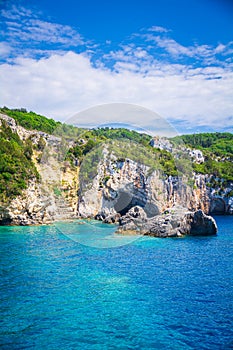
(119, 186)
(52, 197)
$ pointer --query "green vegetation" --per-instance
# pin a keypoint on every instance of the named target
(122, 150)
(87, 140)
(34, 121)
(89, 167)
(16, 166)
(218, 144)
(222, 170)
(217, 149)
(124, 144)
(122, 133)
(57, 192)
(31, 120)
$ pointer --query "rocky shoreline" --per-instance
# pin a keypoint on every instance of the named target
(125, 191)
(176, 222)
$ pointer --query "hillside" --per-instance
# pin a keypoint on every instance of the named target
(71, 161)
(33, 121)
(217, 149)
(16, 165)
(217, 144)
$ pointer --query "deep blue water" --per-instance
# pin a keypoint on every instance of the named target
(56, 293)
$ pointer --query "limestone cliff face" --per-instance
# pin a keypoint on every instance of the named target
(117, 186)
(52, 197)
(121, 185)
(28, 208)
(43, 202)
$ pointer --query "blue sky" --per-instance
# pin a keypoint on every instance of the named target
(173, 57)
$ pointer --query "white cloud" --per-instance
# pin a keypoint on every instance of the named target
(171, 46)
(25, 30)
(5, 49)
(158, 29)
(16, 13)
(43, 73)
(42, 31)
(62, 85)
(220, 48)
(206, 53)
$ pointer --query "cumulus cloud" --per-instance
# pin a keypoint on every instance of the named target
(62, 85)
(44, 69)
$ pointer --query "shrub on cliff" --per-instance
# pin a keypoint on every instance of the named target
(16, 166)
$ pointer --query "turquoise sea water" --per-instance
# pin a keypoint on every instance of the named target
(56, 293)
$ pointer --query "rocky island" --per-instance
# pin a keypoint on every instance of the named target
(153, 186)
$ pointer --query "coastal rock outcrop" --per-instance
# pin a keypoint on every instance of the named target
(120, 185)
(175, 222)
(198, 224)
(26, 209)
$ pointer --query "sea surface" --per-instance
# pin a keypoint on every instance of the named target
(65, 287)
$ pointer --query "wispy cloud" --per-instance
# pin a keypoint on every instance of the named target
(5, 49)
(200, 52)
(35, 30)
(16, 13)
(158, 29)
(25, 30)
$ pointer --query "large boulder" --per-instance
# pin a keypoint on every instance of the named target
(134, 221)
(198, 224)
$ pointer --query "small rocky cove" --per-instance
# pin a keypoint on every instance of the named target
(120, 190)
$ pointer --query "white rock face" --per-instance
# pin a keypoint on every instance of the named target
(161, 143)
(29, 208)
(121, 185)
(118, 186)
(196, 155)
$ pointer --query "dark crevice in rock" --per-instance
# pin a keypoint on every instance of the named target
(5, 222)
(218, 206)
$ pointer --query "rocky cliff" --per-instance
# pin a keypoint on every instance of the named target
(120, 185)
(107, 189)
(52, 196)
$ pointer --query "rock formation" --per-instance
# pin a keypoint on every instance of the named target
(131, 184)
(175, 222)
(120, 190)
(51, 198)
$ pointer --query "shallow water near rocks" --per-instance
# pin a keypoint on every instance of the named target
(151, 293)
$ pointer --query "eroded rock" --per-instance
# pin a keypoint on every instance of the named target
(173, 223)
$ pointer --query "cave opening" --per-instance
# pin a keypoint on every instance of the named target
(124, 202)
(217, 206)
